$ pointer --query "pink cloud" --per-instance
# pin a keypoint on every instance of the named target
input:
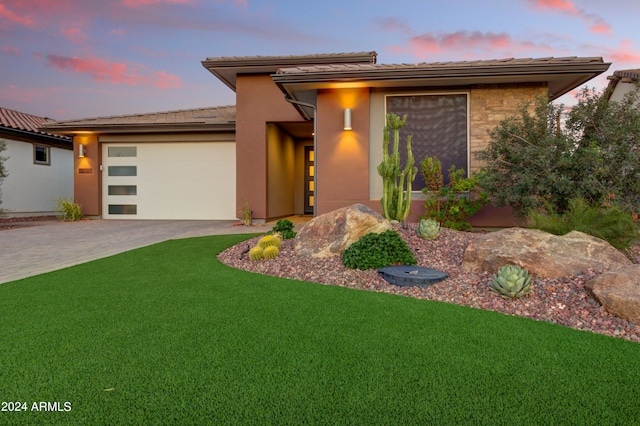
(626, 53)
(467, 42)
(595, 22)
(74, 35)
(10, 50)
(137, 3)
(118, 32)
(394, 24)
(112, 72)
(5, 13)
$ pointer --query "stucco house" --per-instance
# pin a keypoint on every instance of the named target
(39, 165)
(622, 82)
(305, 135)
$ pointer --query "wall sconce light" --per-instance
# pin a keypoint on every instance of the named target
(81, 151)
(347, 119)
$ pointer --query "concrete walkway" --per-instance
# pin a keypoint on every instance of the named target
(51, 245)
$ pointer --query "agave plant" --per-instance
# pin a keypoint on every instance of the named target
(511, 282)
(428, 229)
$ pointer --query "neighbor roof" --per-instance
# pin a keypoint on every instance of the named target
(227, 68)
(561, 74)
(199, 119)
(24, 126)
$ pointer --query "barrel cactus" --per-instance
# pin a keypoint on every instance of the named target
(270, 252)
(511, 282)
(428, 229)
(270, 240)
(256, 253)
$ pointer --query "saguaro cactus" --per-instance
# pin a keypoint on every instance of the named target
(396, 201)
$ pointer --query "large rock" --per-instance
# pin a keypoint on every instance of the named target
(543, 254)
(329, 234)
(618, 291)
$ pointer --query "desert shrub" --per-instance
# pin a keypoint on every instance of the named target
(70, 211)
(377, 251)
(533, 160)
(451, 205)
(610, 222)
(285, 228)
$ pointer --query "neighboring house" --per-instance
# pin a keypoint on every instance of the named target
(292, 151)
(622, 82)
(39, 165)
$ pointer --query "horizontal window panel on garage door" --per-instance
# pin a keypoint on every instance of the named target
(130, 209)
(123, 189)
(123, 170)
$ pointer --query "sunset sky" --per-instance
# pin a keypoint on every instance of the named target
(69, 59)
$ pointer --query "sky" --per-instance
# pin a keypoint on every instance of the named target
(72, 59)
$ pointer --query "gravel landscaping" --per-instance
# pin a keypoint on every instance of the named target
(561, 301)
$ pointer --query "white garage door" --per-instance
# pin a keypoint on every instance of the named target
(186, 180)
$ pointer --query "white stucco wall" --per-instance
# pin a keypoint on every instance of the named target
(30, 188)
(621, 90)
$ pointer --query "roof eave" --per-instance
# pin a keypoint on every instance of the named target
(145, 128)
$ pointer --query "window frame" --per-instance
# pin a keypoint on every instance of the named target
(47, 150)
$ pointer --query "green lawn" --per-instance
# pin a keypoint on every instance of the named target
(168, 335)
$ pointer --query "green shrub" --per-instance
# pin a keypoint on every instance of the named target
(610, 222)
(532, 160)
(285, 228)
(451, 205)
(70, 211)
(377, 251)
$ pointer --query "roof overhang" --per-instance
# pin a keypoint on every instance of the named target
(227, 69)
(560, 76)
(74, 129)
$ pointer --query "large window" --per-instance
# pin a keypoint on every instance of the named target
(439, 126)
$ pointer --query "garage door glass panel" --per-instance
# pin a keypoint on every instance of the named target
(123, 190)
(123, 209)
(122, 151)
(123, 170)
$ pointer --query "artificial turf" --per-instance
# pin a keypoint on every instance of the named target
(168, 335)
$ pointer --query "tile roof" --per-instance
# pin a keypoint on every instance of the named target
(15, 120)
(330, 68)
(222, 115)
(633, 74)
(322, 57)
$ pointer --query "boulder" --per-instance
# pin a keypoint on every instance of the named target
(543, 254)
(618, 291)
(329, 234)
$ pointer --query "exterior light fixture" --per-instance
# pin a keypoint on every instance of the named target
(81, 151)
(347, 119)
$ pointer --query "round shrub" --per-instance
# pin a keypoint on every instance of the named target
(377, 251)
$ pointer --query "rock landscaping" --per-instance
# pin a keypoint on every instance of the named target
(558, 299)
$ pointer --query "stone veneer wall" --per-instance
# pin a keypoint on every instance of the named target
(492, 103)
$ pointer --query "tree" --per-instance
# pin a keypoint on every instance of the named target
(533, 161)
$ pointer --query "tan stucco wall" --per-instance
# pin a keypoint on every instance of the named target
(280, 172)
(258, 102)
(87, 186)
(342, 157)
(490, 104)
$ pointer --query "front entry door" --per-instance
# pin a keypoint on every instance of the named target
(309, 180)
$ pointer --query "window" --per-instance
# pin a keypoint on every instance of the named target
(123, 209)
(121, 151)
(123, 170)
(439, 125)
(41, 155)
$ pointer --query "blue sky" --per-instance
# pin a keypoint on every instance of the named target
(69, 59)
